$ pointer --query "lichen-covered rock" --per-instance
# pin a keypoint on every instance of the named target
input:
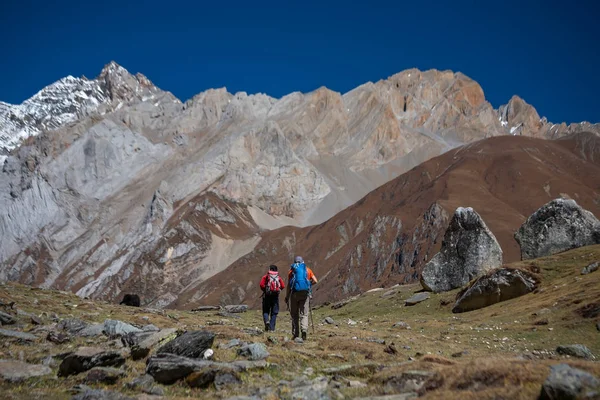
(566, 382)
(469, 250)
(499, 285)
(557, 226)
(191, 344)
(254, 351)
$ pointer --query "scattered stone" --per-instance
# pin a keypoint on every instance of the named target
(230, 344)
(169, 368)
(593, 267)
(389, 293)
(342, 303)
(86, 358)
(206, 308)
(469, 250)
(235, 309)
(16, 371)
(272, 339)
(351, 322)
(401, 325)
(499, 285)
(226, 314)
(438, 360)
(377, 289)
(459, 354)
(356, 384)
(145, 383)
(96, 394)
(92, 330)
(576, 350)
(220, 376)
(352, 369)
(7, 319)
(375, 340)
(35, 320)
(555, 227)
(79, 388)
(17, 335)
(565, 382)
(391, 349)
(417, 298)
(408, 381)
(191, 344)
(71, 325)
(150, 328)
(104, 375)
(141, 343)
(58, 337)
(329, 320)
(254, 351)
(253, 331)
(114, 328)
(540, 322)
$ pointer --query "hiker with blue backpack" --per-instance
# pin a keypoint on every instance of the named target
(297, 297)
(271, 284)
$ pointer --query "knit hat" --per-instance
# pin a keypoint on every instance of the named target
(298, 259)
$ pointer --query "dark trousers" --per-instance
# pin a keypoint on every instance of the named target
(270, 307)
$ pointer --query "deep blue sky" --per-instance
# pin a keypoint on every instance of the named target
(546, 52)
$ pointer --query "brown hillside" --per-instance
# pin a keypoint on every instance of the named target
(389, 235)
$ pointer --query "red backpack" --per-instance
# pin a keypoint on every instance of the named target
(273, 285)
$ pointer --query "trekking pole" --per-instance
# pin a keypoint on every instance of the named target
(312, 322)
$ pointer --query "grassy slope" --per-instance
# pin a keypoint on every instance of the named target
(508, 355)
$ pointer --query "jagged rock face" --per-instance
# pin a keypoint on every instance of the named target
(104, 181)
(500, 285)
(557, 226)
(469, 249)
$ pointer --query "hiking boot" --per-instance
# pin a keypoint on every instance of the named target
(303, 335)
(267, 327)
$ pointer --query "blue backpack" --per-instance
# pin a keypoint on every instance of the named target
(299, 281)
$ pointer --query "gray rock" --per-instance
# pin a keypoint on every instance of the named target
(417, 298)
(407, 381)
(169, 368)
(35, 320)
(219, 375)
(234, 309)
(253, 331)
(97, 394)
(352, 369)
(576, 350)
(191, 344)
(92, 330)
(72, 325)
(565, 382)
(145, 383)
(142, 344)
(500, 285)
(118, 328)
(150, 328)
(7, 333)
(317, 389)
(226, 314)
(401, 325)
(593, 267)
(104, 375)
(555, 227)
(329, 320)
(375, 340)
(58, 337)
(86, 358)
(402, 396)
(7, 319)
(254, 351)
(230, 344)
(16, 371)
(469, 250)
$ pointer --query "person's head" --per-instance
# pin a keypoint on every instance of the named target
(273, 268)
(298, 259)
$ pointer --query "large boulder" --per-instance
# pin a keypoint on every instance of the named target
(566, 382)
(86, 358)
(142, 343)
(557, 226)
(469, 250)
(191, 344)
(499, 285)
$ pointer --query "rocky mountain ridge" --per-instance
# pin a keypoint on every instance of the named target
(126, 181)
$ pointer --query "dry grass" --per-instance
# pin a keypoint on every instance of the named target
(504, 353)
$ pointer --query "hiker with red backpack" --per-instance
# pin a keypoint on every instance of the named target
(271, 284)
(297, 298)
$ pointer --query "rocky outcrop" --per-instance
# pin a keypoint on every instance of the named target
(191, 344)
(499, 285)
(469, 249)
(555, 227)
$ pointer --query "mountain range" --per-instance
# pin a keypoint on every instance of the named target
(112, 185)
